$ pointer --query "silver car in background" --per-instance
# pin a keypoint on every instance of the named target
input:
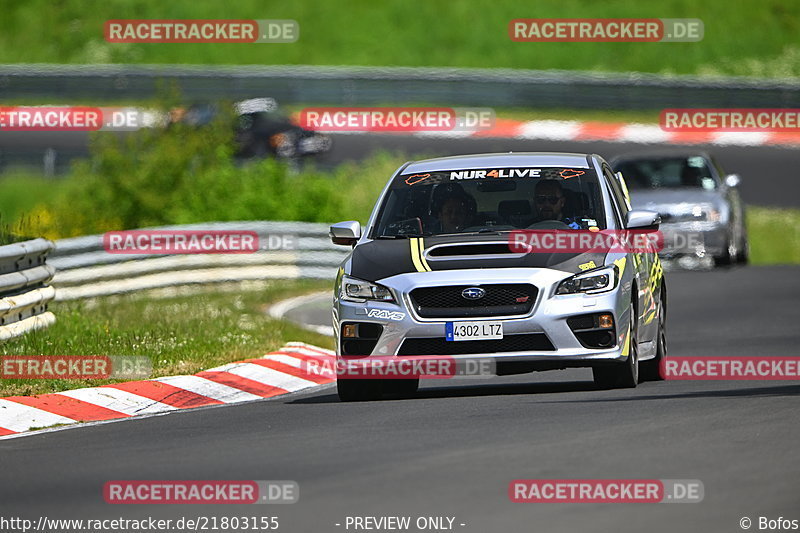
(702, 214)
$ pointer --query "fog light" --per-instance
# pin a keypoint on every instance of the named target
(605, 321)
(606, 339)
(350, 330)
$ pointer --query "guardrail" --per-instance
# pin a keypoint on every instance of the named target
(84, 269)
(397, 85)
(24, 292)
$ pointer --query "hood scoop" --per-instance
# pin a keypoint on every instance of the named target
(473, 250)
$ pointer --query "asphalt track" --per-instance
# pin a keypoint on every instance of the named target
(453, 449)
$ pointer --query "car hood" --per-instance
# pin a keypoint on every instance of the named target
(379, 259)
(655, 200)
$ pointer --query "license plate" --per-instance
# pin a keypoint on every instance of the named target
(473, 331)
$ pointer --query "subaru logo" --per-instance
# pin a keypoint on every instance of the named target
(473, 293)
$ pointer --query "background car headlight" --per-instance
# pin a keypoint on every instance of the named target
(358, 290)
(600, 280)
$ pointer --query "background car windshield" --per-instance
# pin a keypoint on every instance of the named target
(468, 201)
(673, 172)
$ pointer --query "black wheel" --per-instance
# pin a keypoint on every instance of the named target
(358, 390)
(743, 256)
(651, 370)
(729, 255)
(623, 375)
(403, 387)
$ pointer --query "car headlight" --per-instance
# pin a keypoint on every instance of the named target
(601, 280)
(358, 290)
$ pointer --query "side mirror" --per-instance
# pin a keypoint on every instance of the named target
(732, 180)
(345, 233)
(641, 219)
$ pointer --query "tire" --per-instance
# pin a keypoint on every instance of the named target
(402, 387)
(623, 375)
(743, 256)
(358, 390)
(729, 255)
(651, 370)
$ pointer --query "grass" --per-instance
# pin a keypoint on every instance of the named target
(19, 189)
(741, 37)
(180, 335)
(774, 235)
(583, 115)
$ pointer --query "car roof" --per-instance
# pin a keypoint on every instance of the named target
(500, 160)
(661, 154)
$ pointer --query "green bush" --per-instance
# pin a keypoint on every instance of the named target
(182, 174)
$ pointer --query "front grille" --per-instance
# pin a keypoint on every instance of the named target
(500, 300)
(529, 342)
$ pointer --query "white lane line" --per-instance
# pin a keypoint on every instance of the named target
(210, 389)
(118, 400)
(17, 417)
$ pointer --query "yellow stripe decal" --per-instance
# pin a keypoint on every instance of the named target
(627, 346)
(621, 264)
(415, 254)
(422, 255)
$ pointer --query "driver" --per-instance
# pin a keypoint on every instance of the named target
(549, 199)
(455, 208)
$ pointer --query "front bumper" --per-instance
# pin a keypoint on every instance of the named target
(548, 316)
(693, 238)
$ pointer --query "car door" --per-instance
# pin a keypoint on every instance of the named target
(644, 264)
(733, 199)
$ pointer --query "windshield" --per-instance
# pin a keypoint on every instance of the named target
(491, 200)
(673, 172)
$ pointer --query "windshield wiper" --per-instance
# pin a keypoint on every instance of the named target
(484, 231)
(404, 236)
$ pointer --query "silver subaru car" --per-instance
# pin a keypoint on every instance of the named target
(435, 273)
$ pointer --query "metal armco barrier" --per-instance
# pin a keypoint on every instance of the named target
(396, 85)
(24, 293)
(85, 269)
